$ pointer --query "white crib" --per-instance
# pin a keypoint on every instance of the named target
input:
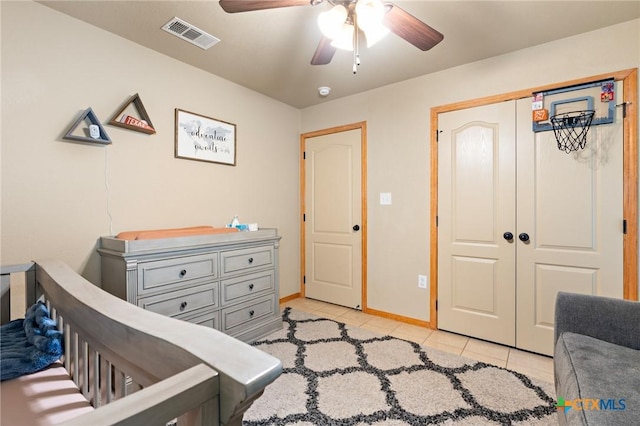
(131, 366)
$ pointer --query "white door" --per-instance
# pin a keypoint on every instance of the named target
(476, 206)
(570, 206)
(333, 238)
(566, 207)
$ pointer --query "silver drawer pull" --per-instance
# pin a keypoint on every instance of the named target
(251, 312)
(250, 286)
(183, 273)
(183, 305)
(250, 260)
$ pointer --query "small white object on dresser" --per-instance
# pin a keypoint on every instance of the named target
(225, 281)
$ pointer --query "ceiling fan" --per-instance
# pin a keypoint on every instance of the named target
(342, 24)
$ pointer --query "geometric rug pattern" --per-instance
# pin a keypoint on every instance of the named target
(337, 374)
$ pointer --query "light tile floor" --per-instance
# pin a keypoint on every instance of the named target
(533, 365)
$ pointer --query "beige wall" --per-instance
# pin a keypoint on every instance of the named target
(398, 145)
(54, 196)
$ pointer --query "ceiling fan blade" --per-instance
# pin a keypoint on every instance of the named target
(324, 53)
(405, 25)
(233, 6)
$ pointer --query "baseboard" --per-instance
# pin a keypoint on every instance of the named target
(290, 297)
(399, 318)
(374, 312)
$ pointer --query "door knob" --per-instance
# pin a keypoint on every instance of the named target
(507, 236)
(524, 237)
(356, 227)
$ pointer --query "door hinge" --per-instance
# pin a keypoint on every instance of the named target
(436, 221)
(624, 109)
(304, 155)
(624, 226)
(436, 305)
(304, 217)
(438, 135)
(304, 279)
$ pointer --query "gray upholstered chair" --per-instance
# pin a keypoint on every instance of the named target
(597, 360)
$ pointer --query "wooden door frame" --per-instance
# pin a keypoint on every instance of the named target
(363, 201)
(629, 79)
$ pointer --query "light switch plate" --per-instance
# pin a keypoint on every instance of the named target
(385, 198)
(422, 281)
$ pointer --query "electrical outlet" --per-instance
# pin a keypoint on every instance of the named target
(422, 281)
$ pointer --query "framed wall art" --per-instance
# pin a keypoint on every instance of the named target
(204, 138)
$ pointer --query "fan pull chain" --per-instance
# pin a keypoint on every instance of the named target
(356, 53)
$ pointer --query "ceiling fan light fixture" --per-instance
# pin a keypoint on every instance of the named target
(375, 34)
(370, 15)
(344, 39)
(332, 21)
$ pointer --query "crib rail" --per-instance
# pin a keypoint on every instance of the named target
(100, 379)
(165, 400)
(124, 385)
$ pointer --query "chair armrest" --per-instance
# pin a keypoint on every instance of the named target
(615, 321)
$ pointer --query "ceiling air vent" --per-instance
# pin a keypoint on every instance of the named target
(189, 33)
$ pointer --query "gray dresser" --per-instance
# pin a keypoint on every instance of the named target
(225, 281)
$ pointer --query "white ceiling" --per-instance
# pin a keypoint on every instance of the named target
(269, 51)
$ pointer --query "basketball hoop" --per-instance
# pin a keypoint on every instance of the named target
(571, 129)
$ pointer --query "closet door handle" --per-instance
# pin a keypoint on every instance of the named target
(524, 237)
(507, 236)
(183, 273)
(250, 260)
(183, 305)
(250, 286)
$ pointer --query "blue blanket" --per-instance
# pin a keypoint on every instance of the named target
(30, 344)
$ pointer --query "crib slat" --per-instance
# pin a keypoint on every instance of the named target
(95, 378)
(67, 348)
(107, 389)
(120, 388)
(84, 367)
(76, 359)
(60, 323)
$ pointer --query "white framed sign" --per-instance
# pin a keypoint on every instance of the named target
(204, 138)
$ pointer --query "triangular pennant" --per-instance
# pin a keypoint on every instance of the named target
(142, 123)
(94, 132)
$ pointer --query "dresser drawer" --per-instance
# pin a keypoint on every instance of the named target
(208, 318)
(244, 315)
(182, 301)
(153, 276)
(235, 261)
(234, 289)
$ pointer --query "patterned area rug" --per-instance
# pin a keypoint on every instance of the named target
(337, 374)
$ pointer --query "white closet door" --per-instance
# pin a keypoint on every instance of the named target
(476, 206)
(566, 207)
(570, 206)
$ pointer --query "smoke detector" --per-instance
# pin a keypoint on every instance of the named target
(324, 91)
(190, 33)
